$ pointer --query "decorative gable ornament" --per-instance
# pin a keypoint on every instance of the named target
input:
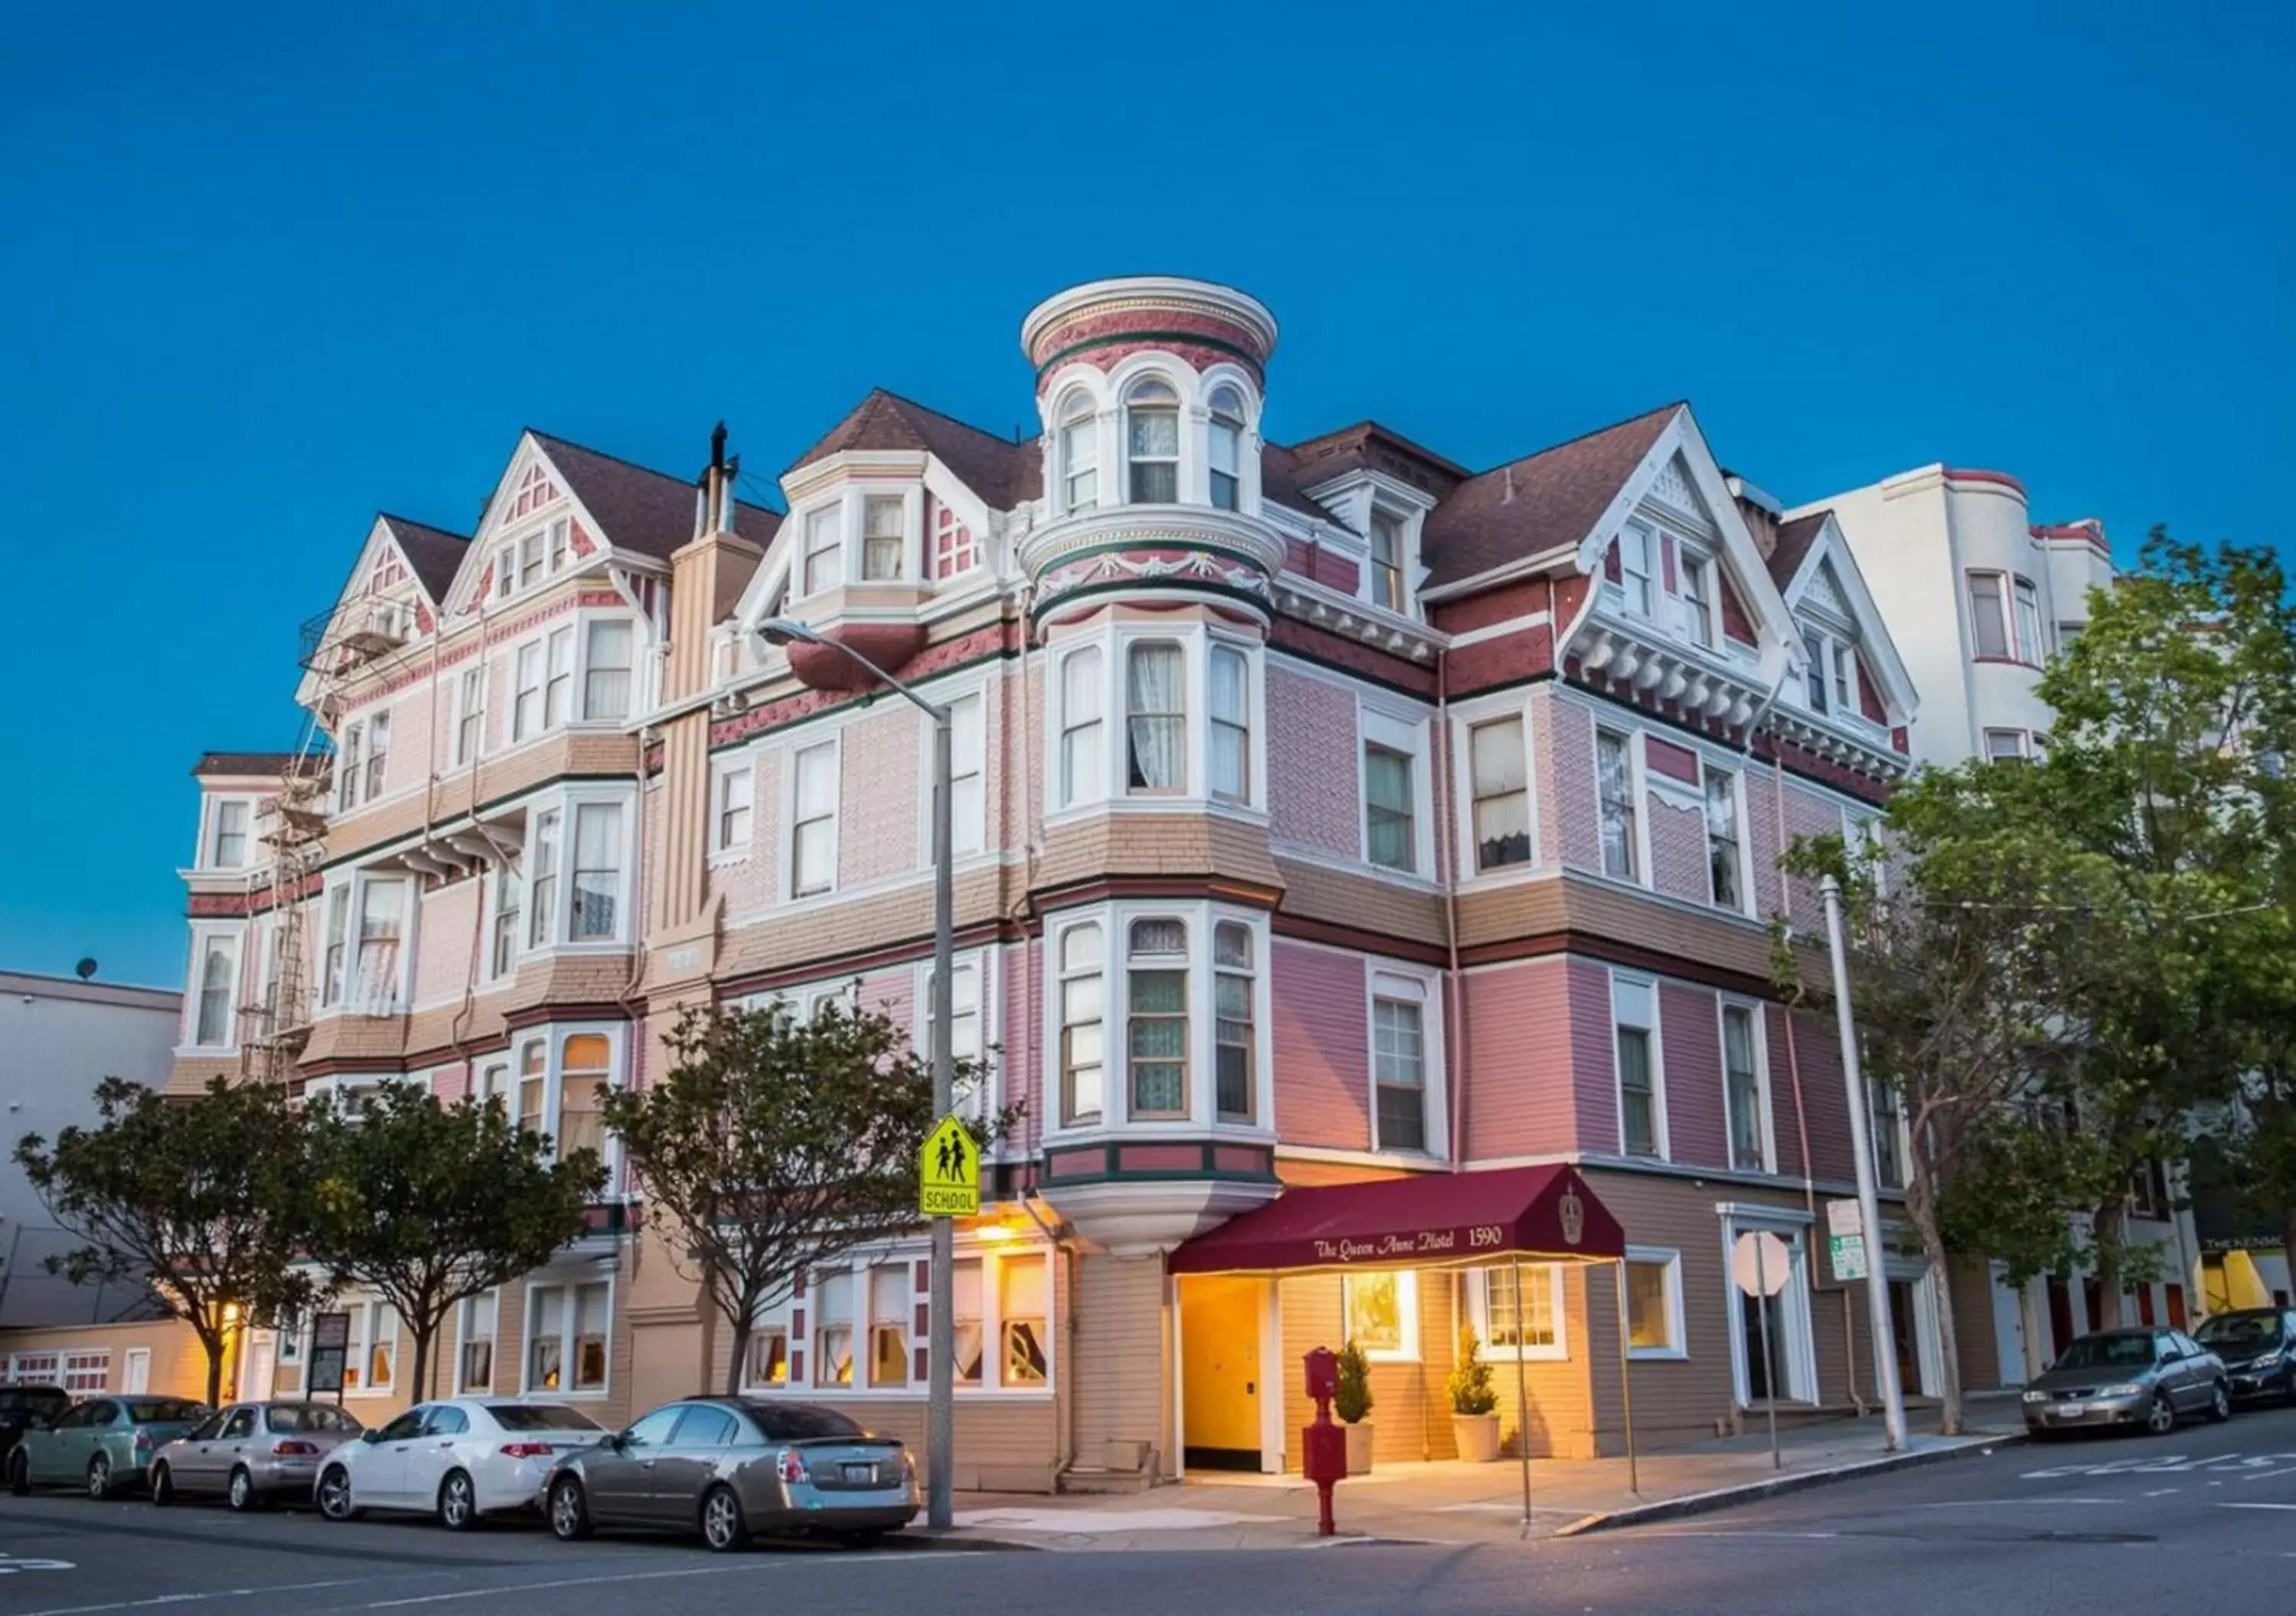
(1825, 591)
(585, 546)
(486, 587)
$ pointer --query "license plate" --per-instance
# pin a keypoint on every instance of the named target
(861, 1473)
(2070, 1410)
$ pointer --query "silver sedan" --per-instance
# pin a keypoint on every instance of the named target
(730, 1468)
(251, 1453)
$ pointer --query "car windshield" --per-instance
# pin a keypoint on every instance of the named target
(2134, 1351)
(145, 1409)
(803, 1422)
(2240, 1330)
(540, 1416)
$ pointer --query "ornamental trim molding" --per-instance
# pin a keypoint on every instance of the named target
(1152, 528)
(1699, 684)
(1188, 566)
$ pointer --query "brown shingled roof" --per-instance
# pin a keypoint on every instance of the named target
(434, 554)
(1279, 483)
(648, 511)
(1001, 472)
(1794, 539)
(1540, 503)
(268, 764)
(1367, 445)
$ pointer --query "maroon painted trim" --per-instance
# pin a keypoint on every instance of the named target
(1967, 474)
(1304, 929)
(1662, 756)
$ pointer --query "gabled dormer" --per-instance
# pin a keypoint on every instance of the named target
(1847, 697)
(388, 602)
(1380, 488)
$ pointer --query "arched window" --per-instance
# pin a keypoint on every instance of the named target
(1156, 1018)
(1079, 454)
(1226, 446)
(1151, 428)
(1233, 1042)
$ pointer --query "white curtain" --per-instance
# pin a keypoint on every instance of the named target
(1158, 723)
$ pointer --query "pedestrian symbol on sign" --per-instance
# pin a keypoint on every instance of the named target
(948, 1172)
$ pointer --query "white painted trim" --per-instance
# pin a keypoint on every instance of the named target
(1650, 984)
(1677, 1326)
(1765, 1118)
(1479, 1302)
(1407, 983)
(1407, 1308)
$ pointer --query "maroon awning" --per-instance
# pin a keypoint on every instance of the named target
(1436, 1219)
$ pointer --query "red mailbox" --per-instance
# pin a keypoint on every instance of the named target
(1324, 1446)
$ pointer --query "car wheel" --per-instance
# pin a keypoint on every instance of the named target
(19, 1472)
(722, 1529)
(2219, 1403)
(2161, 1418)
(335, 1494)
(163, 1485)
(458, 1502)
(241, 1495)
(99, 1477)
(569, 1511)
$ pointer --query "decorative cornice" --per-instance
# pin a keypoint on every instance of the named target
(1336, 614)
(1150, 295)
(1629, 654)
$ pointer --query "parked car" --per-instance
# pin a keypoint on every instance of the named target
(21, 1405)
(461, 1459)
(105, 1444)
(2257, 1346)
(731, 1467)
(251, 1453)
(2144, 1377)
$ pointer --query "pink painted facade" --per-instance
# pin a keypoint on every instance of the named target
(1314, 795)
(1678, 848)
(1323, 1047)
(1697, 1131)
(1525, 1035)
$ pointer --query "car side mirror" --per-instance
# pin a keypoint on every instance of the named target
(371, 1435)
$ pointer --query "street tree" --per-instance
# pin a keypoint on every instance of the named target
(427, 1204)
(773, 1146)
(201, 1199)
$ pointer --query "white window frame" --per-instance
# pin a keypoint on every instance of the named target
(2028, 620)
(1765, 1124)
(355, 944)
(1409, 737)
(1058, 974)
(1479, 1314)
(334, 933)
(1791, 1309)
(834, 744)
(1406, 1307)
(1677, 1350)
(629, 671)
(723, 774)
(1707, 770)
(1637, 803)
(2001, 583)
(1816, 680)
(1389, 575)
(968, 763)
(1079, 419)
(86, 1370)
(875, 502)
(1195, 641)
(366, 1313)
(1701, 600)
(1175, 406)
(489, 1305)
(376, 765)
(470, 713)
(559, 676)
(211, 838)
(989, 1260)
(1638, 588)
(1403, 983)
(572, 869)
(1635, 980)
(1070, 791)
(820, 537)
(350, 766)
(529, 677)
(210, 944)
(569, 1340)
(2022, 753)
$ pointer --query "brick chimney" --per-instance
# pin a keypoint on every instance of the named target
(1762, 510)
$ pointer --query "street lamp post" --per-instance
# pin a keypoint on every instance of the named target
(940, 1417)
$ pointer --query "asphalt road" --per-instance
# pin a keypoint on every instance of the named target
(2093, 1528)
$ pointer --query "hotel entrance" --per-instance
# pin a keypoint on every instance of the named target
(1225, 1397)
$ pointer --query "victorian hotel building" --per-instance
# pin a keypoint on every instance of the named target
(1323, 813)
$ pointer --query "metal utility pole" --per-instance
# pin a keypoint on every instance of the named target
(1869, 1205)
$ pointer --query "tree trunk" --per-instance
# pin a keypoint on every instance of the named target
(213, 1342)
(2105, 1258)
(424, 1331)
(744, 1326)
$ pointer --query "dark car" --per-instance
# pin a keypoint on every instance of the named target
(28, 1408)
(730, 1468)
(2258, 1349)
(2142, 1377)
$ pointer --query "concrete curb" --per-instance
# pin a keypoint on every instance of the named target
(1800, 1481)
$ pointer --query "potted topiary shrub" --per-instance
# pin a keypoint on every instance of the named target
(1474, 1421)
(1351, 1402)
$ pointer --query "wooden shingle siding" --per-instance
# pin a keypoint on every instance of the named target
(1323, 1063)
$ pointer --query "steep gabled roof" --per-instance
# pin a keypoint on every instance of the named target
(1794, 539)
(644, 510)
(1543, 502)
(434, 554)
(1001, 472)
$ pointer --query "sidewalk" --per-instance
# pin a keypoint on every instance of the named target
(1450, 1502)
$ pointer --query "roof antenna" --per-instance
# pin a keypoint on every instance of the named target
(718, 448)
(1508, 497)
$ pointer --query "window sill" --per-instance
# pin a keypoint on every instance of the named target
(1656, 1355)
(736, 853)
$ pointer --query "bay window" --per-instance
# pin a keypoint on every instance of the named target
(218, 986)
(1988, 617)
(1386, 561)
(378, 753)
(813, 833)
(832, 1336)
(606, 671)
(1152, 415)
(1156, 1018)
(1024, 1304)
(968, 776)
(1390, 831)
(330, 964)
(526, 699)
(825, 550)
(890, 1290)
(1501, 792)
(475, 1318)
(964, 1322)
(371, 1358)
(381, 924)
(348, 773)
(1156, 719)
(533, 1084)
(503, 950)
(768, 1364)
(542, 889)
(597, 870)
(1234, 1042)
(558, 686)
(964, 1014)
(1079, 455)
(1722, 853)
(470, 713)
(1399, 1032)
(1080, 726)
(227, 848)
(736, 798)
(585, 1066)
(566, 1337)
(1082, 1009)
(1225, 446)
(884, 530)
(1614, 775)
(1231, 720)
(1742, 1076)
(1634, 1016)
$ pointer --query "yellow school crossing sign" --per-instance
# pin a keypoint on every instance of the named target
(948, 1172)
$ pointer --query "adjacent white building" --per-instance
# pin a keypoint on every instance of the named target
(59, 1037)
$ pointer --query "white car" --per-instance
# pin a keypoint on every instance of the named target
(459, 1459)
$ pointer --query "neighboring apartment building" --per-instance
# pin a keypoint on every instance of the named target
(59, 1037)
(1323, 813)
(1978, 598)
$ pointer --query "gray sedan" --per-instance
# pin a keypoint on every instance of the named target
(251, 1453)
(729, 1468)
(2144, 1377)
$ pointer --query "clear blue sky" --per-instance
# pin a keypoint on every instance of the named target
(265, 269)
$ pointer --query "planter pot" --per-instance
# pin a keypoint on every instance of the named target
(1478, 1437)
(1358, 1448)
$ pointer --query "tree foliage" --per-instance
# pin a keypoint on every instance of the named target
(773, 1146)
(426, 1205)
(203, 1199)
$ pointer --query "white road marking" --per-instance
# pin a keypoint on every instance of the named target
(1748, 1534)
(2162, 1492)
(1096, 1522)
(2004, 1503)
(2257, 1507)
(143, 1604)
